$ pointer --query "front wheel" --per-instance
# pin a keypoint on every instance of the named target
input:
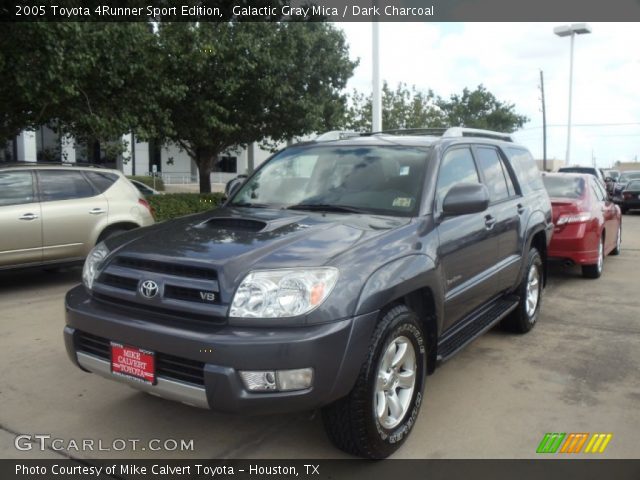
(525, 316)
(374, 420)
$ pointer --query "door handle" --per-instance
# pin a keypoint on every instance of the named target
(489, 222)
(520, 209)
(28, 216)
(97, 211)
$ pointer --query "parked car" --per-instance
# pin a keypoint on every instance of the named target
(631, 196)
(336, 277)
(145, 189)
(621, 184)
(54, 214)
(588, 225)
(610, 178)
(596, 172)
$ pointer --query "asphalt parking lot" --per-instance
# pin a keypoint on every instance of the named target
(577, 371)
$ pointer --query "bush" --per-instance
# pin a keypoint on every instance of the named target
(174, 205)
(147, 180)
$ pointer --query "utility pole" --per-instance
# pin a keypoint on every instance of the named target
(544, 124)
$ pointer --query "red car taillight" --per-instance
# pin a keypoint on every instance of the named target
(146, 205)
(627, 195)
(577, 218)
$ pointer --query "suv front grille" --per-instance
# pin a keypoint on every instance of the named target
(118, 281)
(174, 269)
(167, 366)
(188, 294)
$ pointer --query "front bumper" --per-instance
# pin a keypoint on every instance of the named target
(334, 350)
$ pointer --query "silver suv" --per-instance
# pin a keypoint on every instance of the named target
(52, 214)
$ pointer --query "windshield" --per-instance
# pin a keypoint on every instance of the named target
(625, 177)
(373, 179)
(563, 187)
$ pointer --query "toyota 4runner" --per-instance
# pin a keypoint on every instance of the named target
(337, 276)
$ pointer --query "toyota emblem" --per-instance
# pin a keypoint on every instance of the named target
(149, 289)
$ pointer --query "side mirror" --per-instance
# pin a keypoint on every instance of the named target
(235, 185)
(465, 198)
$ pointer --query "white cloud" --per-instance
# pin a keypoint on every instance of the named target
(507, 59)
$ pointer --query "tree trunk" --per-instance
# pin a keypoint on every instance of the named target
(205, 163)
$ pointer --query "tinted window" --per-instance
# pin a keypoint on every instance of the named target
(635, 185)
(101, 180)
(457, 167)
(16, 188)
(525, 169)
(494, 174)
(564, 186)
(63, 185)
(378, 179)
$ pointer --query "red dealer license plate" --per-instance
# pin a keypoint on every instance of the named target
(133, 362)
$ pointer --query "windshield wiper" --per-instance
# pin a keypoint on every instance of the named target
(325, 207)
(251, 205)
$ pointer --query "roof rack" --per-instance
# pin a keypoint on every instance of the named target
(475, 132)
(25, 163)
(411, 131)
(336, 135)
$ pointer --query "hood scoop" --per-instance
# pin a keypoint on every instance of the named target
(234, 224)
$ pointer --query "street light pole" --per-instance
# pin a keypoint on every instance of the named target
(568, 156)
(376, 100)
(565, 31)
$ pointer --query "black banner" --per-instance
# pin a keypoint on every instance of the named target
(321, 469)
(322, 10)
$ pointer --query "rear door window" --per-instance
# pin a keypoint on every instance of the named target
(101, 180)
(525, 169)
(63, 185)
(16, 188)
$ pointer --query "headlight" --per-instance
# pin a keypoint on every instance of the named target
(93, 264)
(282, 293)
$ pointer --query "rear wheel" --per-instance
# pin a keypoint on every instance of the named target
(595, 270)
(524, 317)
(624, 209)
(374, 420)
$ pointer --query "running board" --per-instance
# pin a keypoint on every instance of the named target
(470, 329)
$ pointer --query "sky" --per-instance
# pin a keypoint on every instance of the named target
(507, 58)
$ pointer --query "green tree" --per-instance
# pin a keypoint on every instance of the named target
(245, 82)
(480, 109)
(404, 107)
(95, 81)
(407, 107)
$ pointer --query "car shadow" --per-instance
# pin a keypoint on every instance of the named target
(13, 280)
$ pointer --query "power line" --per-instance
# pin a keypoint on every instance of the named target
(585, 125)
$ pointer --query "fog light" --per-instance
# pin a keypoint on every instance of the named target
(280, 380)
(294, 379)
(259, 381)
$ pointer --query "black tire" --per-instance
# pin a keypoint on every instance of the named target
(525, 316)
(108, 233)
(624, 210)
(618, 247)
(595, 270)
(352, 423)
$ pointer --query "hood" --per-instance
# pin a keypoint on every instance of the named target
(236, 240)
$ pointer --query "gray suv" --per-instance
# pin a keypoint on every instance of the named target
(337, 276)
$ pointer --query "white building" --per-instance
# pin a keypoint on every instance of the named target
(139, 158)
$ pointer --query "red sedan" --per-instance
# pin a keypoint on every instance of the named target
(588, 226)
